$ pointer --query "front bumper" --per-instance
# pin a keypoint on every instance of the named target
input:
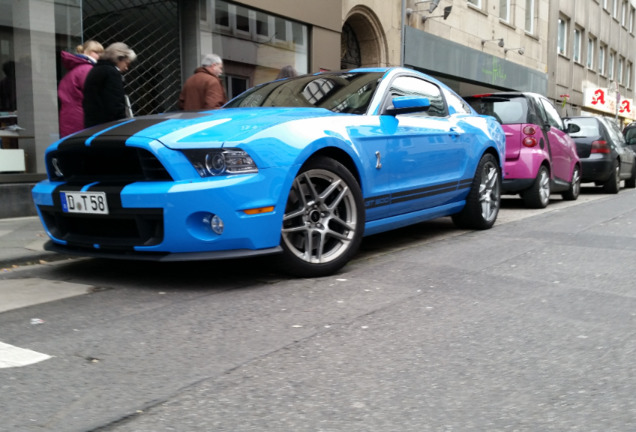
(153, 220)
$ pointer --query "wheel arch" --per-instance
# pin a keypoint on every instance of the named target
(342, 157)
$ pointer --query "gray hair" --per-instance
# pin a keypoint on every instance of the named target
(118, 51)
(211, 59)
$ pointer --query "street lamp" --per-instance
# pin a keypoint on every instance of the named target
(447, 11)
(431, 7)
(500, 40)
(520, 51)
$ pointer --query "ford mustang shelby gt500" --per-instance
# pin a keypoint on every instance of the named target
(302, 167)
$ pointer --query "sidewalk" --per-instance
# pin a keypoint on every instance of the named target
(21, 242)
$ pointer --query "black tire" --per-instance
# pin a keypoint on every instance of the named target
(538, 196)
(324, 219)
(573, 192)
(630, 183)
(613, 184)
(484, 199)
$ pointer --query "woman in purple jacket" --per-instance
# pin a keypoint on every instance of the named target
(71, 89)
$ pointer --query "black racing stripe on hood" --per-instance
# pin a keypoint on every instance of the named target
(87, 133)
(132, 127)
(100, 134)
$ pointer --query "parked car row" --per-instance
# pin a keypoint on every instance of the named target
(547, 154)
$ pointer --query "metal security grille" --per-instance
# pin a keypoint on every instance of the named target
(151, 29)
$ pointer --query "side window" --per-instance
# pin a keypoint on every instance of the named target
(456, 102)
(553, 117)
(615, 133)
(412, 86)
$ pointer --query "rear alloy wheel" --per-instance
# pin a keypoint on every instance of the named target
(575, 186)
(323, 221)
(484, 199)
(631, 182)
(538, 196)
(613, 184)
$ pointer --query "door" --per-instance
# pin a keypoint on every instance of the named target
(625, 154)
(422, 155)
(562, 147)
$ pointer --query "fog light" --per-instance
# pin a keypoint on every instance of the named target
(216, 223)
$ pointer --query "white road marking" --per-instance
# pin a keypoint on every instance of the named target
(12, 356)
(18, 293)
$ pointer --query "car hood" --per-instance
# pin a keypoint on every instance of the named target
(187, 130)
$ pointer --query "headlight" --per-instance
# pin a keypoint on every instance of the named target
(218, 162)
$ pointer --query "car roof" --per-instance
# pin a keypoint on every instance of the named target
(506, 94)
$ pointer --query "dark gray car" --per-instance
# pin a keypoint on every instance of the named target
(605, 156)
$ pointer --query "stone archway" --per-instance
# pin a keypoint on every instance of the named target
(363, 42)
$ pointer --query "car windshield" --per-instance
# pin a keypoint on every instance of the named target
(342, 92)
(507, 110)
(589, 127)
(630, 135)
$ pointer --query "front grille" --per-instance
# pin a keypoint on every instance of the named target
(121, 230)
(79, 164)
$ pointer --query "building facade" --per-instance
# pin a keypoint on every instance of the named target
(580, 53)
(593, 47)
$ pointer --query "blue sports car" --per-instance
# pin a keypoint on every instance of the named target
(302, 167)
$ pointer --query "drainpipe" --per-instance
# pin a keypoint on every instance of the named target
(403, 25)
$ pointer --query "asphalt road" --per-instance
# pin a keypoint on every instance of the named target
(528, 326)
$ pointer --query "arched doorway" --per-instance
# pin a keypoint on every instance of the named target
(363, 42)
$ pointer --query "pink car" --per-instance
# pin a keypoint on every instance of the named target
(541, 157)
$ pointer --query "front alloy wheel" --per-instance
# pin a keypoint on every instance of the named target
(323, 221)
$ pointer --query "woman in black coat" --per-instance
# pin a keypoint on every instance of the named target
(104, 96)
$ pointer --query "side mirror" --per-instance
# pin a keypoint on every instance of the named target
(409, 104)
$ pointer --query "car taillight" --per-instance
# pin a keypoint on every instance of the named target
(529, 140)
(600, 146)
(529, 130)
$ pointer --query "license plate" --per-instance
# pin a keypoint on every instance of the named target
(84, 202)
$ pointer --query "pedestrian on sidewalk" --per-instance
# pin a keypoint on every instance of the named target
(105, 99)
(204, 89)
(70, 92)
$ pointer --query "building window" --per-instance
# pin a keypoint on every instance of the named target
(610, 66)
(621, 63)
(628, 75)
(476, 3)
(266, 42)
(576, 48)
(591, 49)
(615, 9)
(605, 5)
(263, 25)
(235, 85)
(504, 10)
(222, 15)
(529, 25)
(632, 12)
(562, 37)
(601, 59)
